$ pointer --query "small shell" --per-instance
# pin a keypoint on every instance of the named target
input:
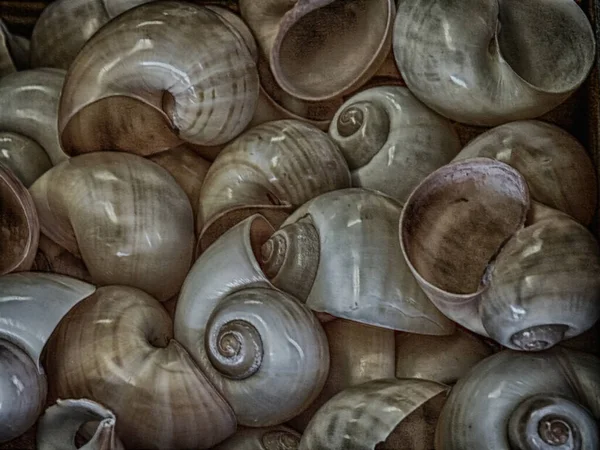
(370, 416)
(271, 169)
(273, 438)
(23, 156)
(392, 141)
(60, 423)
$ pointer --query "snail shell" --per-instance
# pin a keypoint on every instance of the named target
(116, 348)
(31, 306)
(489, 62)
(528, 401)
(271, 169)
(339, 253)
(201, 86)
(392, 141)
(23, 156)
(141, 236)
(526, 287)
(29, 107)
(256, 344)
(51, 257)
(558, 170)
(19, 224)
(370, 416)
(14, 51)
(312, 46)
(272, 438)
(60, 423)
(444, 359)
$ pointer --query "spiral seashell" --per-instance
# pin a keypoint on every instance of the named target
(533, 401)
(23, 156)
(445, 359)
(60, 423)
(271, 169)
(256, 344)
(490, 62)
(375, 415)
(528, 287)
(116, 348)
(141, 236)
(311, 44)
(350, 265)
(31, 306)
(51, 257)
(272, 438)
(358, 353)
(392, 141)
(19, 224)
(14, 51)
(29, 107)
(200, 86)
(558, 170)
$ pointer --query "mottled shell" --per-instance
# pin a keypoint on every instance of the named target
(141, 236)
(391, 140)
(272, 438)
(485, 62)
(158, 75)
(23, 156)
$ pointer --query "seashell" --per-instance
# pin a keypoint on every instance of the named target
(66, 25)
(358, 353)
(272, 438)
(31, 306)
(256, 344)
(528, 287)
(188, 168)
(307, 42)
(19, 224)
(51, 257)
(23, 156)
(443, 359)
(392, 141)
(558, 170)
(339, 253)
(14, 51)
(490, 62)
(116, 348)
(381, 414)
(141, 236)
(528, 401)
(60, 423)
(115, 100)
(29, 107)
(271, 169)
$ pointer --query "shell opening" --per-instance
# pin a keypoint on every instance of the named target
(235, 349)
(554, 431)
(280, 440)
(540, 337)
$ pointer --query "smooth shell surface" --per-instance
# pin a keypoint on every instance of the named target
(23, 156)
(29, 106)
(141, 235)
(487, 62)
(273, 438)
(391, 140)
(353, 419)
(60, 423)
(158, 75)
(116, 348)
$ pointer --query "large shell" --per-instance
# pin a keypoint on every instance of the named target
(487, 62)
(19, 224)
(158, 75)
(480, 406)
(351, 266)
(141, 236)
(271, 169)
(392, 141)
(321, 49)
(256, 344)
(116, 348)
(558, 171)
(29, 106)
(14, 51)
(369, 416)
(528, 288)
(272, 438)
(23, 156)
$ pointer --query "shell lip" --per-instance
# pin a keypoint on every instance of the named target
(304, 8)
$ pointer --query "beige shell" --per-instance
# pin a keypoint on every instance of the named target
(117, 348)
(272, 438)
(159, 75)
(271, 169)
(51, 257)
(141, 235)
(23, 156)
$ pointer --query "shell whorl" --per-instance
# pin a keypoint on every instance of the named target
(280, 440)
(271, 438)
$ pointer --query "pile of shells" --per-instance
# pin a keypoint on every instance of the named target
(253, 225)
